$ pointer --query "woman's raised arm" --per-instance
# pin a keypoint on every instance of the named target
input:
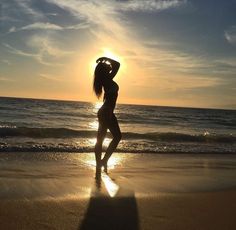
(114, 64)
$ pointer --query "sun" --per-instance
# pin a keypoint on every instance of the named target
(106, 52)
(110, 54)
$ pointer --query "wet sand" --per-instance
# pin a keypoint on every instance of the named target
(211, 210)
(47, 191)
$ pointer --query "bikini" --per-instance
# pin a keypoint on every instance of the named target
(105, 113)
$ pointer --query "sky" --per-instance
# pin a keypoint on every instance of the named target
(172, 52)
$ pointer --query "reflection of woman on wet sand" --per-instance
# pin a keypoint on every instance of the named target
(105, 71)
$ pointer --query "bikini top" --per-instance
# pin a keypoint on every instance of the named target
(110, 95)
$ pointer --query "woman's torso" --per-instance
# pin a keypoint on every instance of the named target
(110, 95)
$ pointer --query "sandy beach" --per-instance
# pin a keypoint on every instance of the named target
(212, 210)
(47, 191)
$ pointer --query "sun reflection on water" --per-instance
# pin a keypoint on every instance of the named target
(92, 141)
(93, 125)
(97, 106)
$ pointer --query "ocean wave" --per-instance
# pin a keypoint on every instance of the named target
(185, 149)
(7, 131)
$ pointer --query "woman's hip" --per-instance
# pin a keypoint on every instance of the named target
(105, 114)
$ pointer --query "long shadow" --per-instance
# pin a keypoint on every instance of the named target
(105, 212)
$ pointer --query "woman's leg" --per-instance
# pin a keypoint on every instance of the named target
(102, 130)
(116, 133)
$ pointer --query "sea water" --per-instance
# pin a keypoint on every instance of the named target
(33, 125)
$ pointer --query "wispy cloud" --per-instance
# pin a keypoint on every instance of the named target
(46, 46)
(108, 18)
(160, 56)
(49, 77)
(6, 61)
(44, 50)
(20, 52)
(26, 6)
(189, 82)
(230, 35)
(150, 5)
(42, 26)
(107, 25)
(8, 19)
(4, 79)
(48, 26)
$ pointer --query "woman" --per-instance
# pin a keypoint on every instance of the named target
(105, 71)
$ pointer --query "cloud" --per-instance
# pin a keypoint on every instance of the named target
(83, 25)
(173, 83)
(6, 61)
(49, 77)
(45, 51)
(161, 56)
(150, 5)
(48, 26)
(25, 5)
(108, 25)
(230, 35)
(8, 19)
(109, 14)
(19, 52)
(46, 46)
(4, 79)
(12, 29)
(42, 26)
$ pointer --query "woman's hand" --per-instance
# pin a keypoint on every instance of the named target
(115, 65)
(101, 59)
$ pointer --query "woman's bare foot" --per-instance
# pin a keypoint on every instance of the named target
(104, 164)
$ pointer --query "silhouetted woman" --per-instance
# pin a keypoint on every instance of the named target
(105, 71)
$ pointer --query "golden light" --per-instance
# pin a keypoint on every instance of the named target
(97, 106)
(107, 52)
(93, 125)
(110, 54)
(113, 162)
(111, 186)
(92, 141)
(89, 159)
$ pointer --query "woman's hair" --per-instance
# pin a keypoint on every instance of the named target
(100, 74)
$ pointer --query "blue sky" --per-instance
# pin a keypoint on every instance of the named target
(175, 52)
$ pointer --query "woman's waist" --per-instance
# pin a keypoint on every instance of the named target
(109, 104)
(107, 107)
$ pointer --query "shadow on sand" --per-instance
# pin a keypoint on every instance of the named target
(110, 211)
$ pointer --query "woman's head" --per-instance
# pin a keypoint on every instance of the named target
(101, 73)
(103, 69)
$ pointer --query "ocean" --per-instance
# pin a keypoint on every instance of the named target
(34, 125)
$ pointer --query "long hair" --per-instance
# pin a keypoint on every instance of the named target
(100, 75)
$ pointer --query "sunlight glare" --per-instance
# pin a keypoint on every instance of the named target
(114, 161)
(111, 186)
(93, 125)
(97, 106)
(92, 141)
(110, 54)
(107, 52)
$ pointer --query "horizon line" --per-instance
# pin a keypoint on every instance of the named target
(72, 100)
